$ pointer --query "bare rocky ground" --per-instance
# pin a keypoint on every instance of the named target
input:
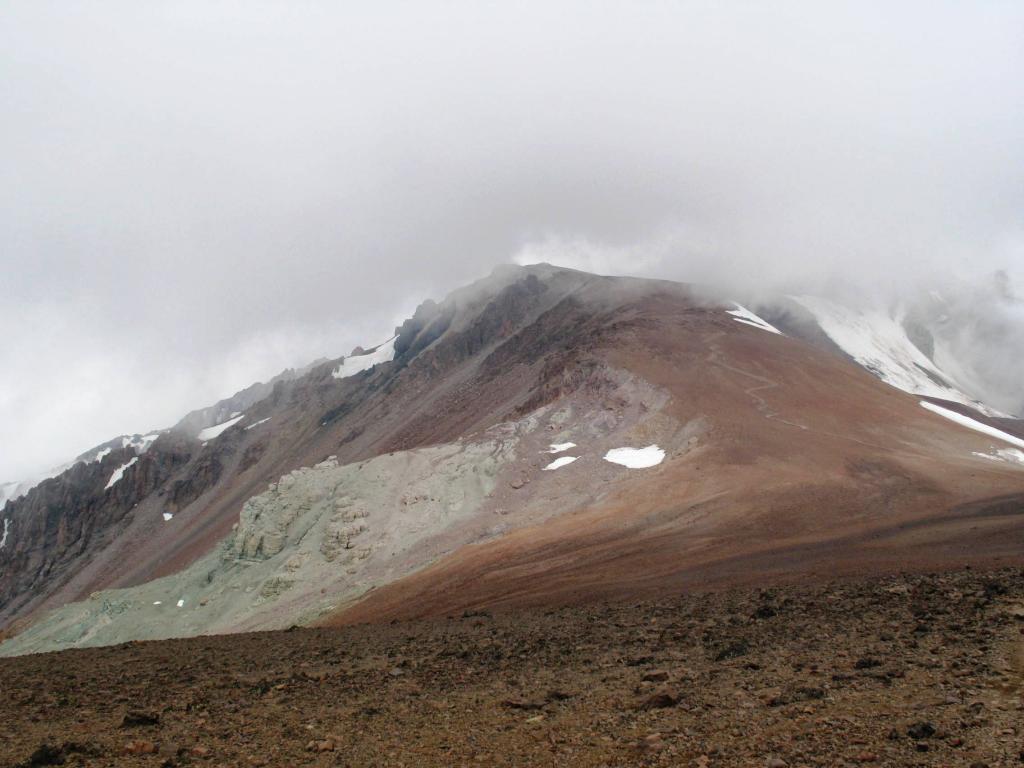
(896, 671)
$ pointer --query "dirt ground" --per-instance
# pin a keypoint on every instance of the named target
(897, 671)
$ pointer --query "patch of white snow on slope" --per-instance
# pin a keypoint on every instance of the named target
(1009, 455)
(256, 424)
(101, 454)
(561, 461)
(181, 603)
(119, 473)
(878, 341)
(743, 315)
(977, 426)
(140, 444)
(636, 458)
(3, 539)
(559, 447)
(168, 516)
(354, 364)
(211, 432)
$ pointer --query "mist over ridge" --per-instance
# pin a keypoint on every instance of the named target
(197, 196)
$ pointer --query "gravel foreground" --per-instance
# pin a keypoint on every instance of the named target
(897, 671)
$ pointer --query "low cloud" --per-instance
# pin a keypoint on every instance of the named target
(195, 195)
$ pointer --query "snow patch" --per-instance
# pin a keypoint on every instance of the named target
(636, 458)
(211, 432)
(157, 602)
(354, 364)
(561, 461)
(743, 315)
(977, 426)
(13, 491)
(140, 444)
(256, 424)
(1009, 455)
(168, 516)
(878, 341)
(119, 473)
(559, 447)
(3, 539)
(181, 603)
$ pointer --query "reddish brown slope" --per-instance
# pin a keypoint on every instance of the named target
(809, 466)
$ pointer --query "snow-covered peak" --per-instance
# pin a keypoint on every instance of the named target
(354, 364)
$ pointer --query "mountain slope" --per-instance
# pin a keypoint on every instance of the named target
(437, 489)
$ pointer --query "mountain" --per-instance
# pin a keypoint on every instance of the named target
(543, 436)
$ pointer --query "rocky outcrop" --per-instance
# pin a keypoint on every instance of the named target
(54, 528)
(315, 537)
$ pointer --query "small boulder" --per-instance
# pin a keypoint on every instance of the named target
(134, 718)
(920, 731)
(140, 747)
(660, 700)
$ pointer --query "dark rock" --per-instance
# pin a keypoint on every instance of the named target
(920, 731)
(138, 717)
(46, 754)
(558, 695)
(660, 700)
(522, 704)
(733, 650)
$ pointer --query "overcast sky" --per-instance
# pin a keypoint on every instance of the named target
(195, 195)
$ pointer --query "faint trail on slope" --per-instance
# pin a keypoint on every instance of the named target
(715, 358)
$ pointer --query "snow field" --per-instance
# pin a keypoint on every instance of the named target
(354, 364)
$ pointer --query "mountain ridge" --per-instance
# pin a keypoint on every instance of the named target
(646, 361)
